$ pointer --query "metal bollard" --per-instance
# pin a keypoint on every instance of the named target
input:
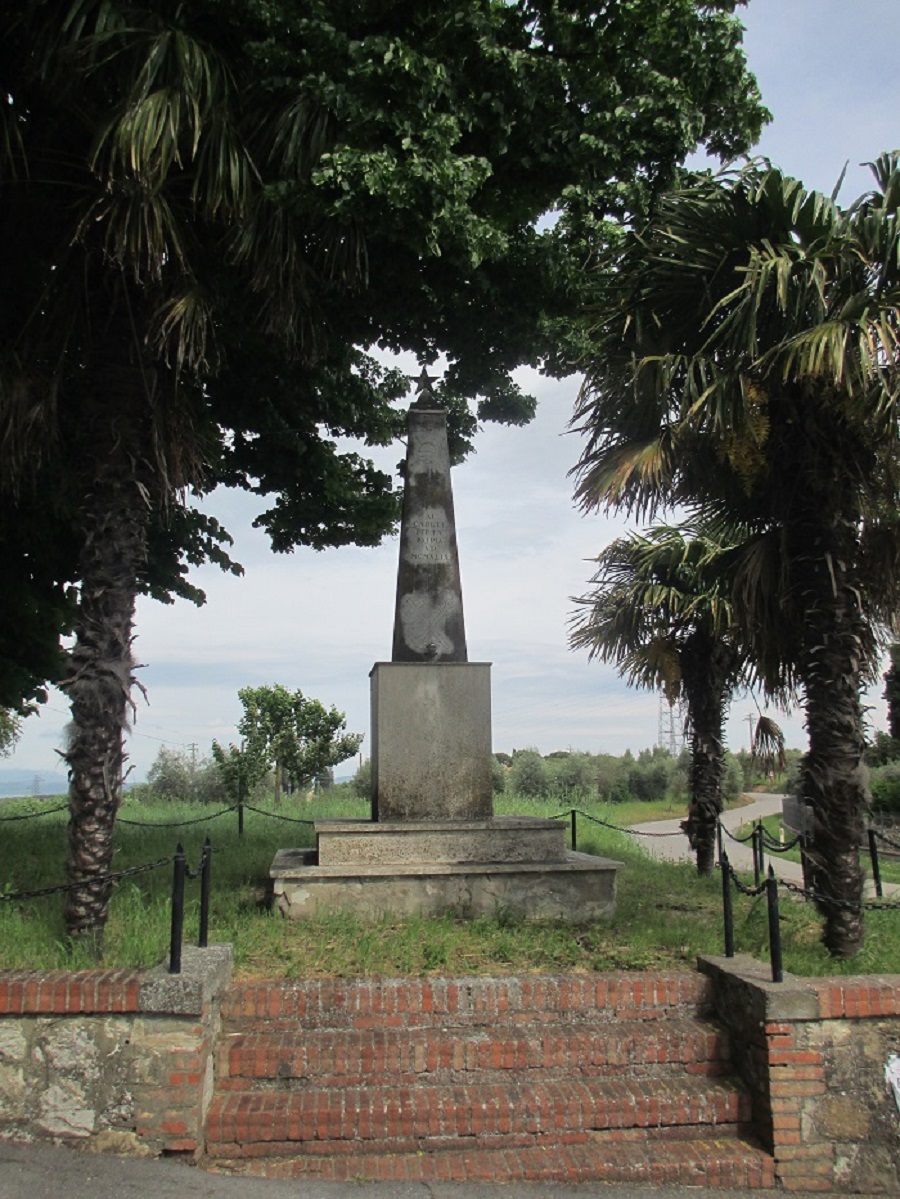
(574, 829)
(727, 912)
(177, 931)
(876, 867)
(205, 870)
(774, 927)
(759, 859)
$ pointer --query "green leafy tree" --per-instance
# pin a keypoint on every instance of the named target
(208, 211)
(660, 610)
(292, 734)
(745, 360)
(892, 691)
(10, 730)
(528, 774)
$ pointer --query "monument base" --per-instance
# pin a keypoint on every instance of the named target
(517, 865)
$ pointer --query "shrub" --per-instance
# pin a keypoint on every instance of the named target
(177, 776)
(362, 780)
(885, 786)
(571, 776)
(498, 775)
(529, 774)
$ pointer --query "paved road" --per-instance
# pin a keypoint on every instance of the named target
(46, 1172)
(675, 847)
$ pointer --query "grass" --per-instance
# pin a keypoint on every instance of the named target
(666, 915)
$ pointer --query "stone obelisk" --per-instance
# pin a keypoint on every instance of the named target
(428, 617)
(434, 844)
(431, 707)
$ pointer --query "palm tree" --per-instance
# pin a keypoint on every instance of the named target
(134, 211)
(745, 361)
(661, 611)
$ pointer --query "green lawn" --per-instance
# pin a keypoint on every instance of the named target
(666, 914)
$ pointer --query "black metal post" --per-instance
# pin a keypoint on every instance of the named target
(876, 868)
(804, 860)
(241, 803)
(759, 863)
(178, 877)
(205, 868)
(726, 905)
(774, 927)
(572, 815)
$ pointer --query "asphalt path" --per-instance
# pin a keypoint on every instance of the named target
(38, 1171)
(665, 840)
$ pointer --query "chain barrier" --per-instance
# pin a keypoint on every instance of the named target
(750, 892)
(775, 846)
(175, 823)
(885, 838)
(734, 837)
(32, 815)
(61, 888)
(617, 828)
(277, 815)
(849, 905)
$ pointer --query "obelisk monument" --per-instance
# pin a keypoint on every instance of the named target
(431, 707)
(428, 617)
(433, 843)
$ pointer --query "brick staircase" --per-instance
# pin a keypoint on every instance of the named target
(541, 1078)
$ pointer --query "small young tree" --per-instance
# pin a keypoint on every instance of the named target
(292, 734)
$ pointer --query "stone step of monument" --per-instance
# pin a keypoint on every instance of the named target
(333, 1057)
(434, 1118)
(407, 1003)
(661, 1161)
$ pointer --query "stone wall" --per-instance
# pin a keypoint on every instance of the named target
(120, 1059)
(813, 1053)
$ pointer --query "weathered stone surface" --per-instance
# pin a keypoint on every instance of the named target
(842, 1118)
(581, 888)
(503, 839)
(428, 617)
(204, 973)
(65, 1111)
(13, 1091)
(431, 741)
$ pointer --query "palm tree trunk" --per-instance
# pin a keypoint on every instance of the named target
(706, 666)
(114, 519)
(832, 776)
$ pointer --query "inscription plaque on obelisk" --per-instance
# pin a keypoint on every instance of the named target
(431, 707)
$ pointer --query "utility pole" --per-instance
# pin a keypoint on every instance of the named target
(750, 718)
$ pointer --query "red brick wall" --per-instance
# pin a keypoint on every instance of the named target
(813, 1052)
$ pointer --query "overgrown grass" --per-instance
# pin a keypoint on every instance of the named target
(666, 915)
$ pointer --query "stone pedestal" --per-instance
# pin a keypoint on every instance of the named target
(431, 741)
(514, 864)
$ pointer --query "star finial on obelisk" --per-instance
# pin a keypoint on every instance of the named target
(424, 395)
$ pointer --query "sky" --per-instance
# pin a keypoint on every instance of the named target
(318, 621)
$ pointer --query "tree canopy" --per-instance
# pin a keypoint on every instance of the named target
(286, 732)
(210, 213)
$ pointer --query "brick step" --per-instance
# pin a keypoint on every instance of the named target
(416, 1002)
(401, 1119)
(654, 1160)
(349, 1057)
